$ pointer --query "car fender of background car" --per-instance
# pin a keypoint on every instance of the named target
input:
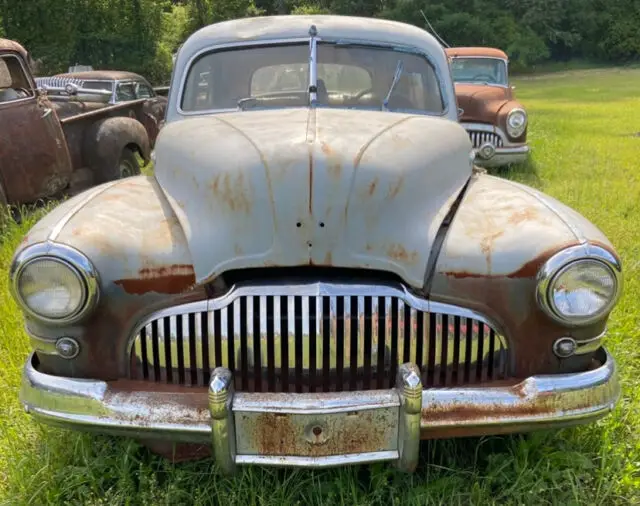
(314, 277)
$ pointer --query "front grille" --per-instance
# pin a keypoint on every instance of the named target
(478, 138)
(317, 337)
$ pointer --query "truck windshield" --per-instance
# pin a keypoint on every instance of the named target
(479, 70)
(354, 76)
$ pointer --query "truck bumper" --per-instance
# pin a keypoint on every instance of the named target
(324, 429)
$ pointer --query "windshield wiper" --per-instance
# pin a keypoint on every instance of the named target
(396, 78)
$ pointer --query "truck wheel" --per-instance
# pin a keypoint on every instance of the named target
(128, 165)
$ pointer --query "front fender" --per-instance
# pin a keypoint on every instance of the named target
(502, 234)
(130, 234)
(105, 140)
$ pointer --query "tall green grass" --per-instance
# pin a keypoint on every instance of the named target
(585, 152)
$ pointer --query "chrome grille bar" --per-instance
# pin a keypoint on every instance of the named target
(478, 138)
(317, 337)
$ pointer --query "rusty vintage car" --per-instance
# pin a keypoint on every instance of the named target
(495, 120)
(314, 276)
(51, 145)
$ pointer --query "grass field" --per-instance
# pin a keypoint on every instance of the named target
(585, 132)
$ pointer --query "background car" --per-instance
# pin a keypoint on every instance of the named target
(496, 121)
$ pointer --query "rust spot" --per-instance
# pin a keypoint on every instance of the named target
(279, 434)
(526, 214)
(328, 259)
(395, 188)
(397, 252)
(237, 250)
(171, 279)
(326, 149)
(368, 247)
(372, 186)
(233, 193)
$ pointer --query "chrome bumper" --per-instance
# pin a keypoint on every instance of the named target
(320, 430)
(504, 156)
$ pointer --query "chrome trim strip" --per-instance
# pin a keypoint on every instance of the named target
(318, 462)
(88, 195)
(589, 345)
(322, 403)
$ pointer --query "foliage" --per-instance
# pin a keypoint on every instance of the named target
(142, 35)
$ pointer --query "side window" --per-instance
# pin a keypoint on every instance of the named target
(125, 92)
(143, 91)
(14, 83)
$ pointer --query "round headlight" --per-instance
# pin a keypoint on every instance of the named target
(516, 123)
(54, 283)
(51, 288)
(580, 291)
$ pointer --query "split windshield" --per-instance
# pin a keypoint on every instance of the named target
(278, 76)
(479, 70)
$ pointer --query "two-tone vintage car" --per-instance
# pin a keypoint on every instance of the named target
(495, 120)
(314, 275)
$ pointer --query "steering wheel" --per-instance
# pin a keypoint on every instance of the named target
(483, 77)
(362, 93)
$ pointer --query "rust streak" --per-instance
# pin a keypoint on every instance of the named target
(169, 280)
(372, 186)
(398, 252)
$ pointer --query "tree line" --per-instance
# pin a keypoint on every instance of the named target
(142, 35)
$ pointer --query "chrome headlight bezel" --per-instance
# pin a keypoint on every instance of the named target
(515, 132)
(563, 260)
(71, 258)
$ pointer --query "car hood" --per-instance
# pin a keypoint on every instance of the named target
(480, 102)
(329, 187)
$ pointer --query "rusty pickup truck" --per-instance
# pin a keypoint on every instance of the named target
(51, 146)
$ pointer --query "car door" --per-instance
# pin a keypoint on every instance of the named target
(153, 110)
(34, 158)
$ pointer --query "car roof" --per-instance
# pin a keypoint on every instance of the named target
(267, 28)
(11, 45)
(103, 75)
(490, 52)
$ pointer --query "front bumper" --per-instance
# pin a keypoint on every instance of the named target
(504, 156)
(319, 430)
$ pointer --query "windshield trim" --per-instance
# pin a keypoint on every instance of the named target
(477, 57)
(339, 41)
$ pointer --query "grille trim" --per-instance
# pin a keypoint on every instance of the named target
(479, 137)
(239, 332)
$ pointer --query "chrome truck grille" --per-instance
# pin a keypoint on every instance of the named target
(317, 337)
(478, 138)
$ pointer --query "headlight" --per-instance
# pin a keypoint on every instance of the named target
(579, 291)
(54, 283)
(516, 123)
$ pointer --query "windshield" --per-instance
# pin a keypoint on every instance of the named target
(479, 70)
(278, 76)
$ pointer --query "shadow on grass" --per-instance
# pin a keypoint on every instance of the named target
(525, 173)
(487, 470)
